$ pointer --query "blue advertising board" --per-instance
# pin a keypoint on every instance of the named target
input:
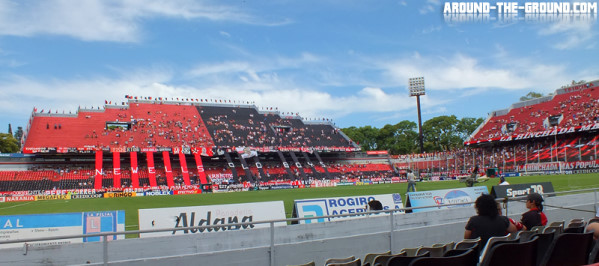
(446, 196)
(341, 205)
(14, 227)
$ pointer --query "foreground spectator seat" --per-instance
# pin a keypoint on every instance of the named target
(369, 258)
(569, 249)
(356, 262)
(341, 260)
(404, 260)
(306, 264)
(512, 253)
(466, 258)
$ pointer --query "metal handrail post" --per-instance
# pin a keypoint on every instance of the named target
(596, 209)
(272, 243)
(105, 249)
(391, 239)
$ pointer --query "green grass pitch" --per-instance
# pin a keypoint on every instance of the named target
(131, 205)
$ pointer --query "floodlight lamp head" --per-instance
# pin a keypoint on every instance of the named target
(416, 86)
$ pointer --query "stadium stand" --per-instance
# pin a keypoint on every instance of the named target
(128, 146)
(569, 107)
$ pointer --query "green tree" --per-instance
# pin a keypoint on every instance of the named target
(441, 134)
(8, 144)
(365, 136)
(18, 135)
(531, 95)
(467, 125)
(400, 138)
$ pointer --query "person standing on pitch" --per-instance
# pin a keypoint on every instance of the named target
(411, 181)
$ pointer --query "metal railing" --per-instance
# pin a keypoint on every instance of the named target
(390, 212)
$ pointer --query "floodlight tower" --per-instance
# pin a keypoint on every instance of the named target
(416, 89)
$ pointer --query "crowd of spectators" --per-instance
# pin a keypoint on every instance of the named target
(231, 126)
(83, 177)
(506, 156)
(570, 109)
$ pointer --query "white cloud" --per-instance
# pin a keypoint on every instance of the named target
(254, 67)
(572, 34)
(459, 71)
(118, 21)
(21, 94)
(226, 34)
(430, 6)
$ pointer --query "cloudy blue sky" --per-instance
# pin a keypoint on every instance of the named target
(345, 60)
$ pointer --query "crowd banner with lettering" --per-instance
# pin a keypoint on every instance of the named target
(210, 215)
(520, 190)
(151, 169)
(99, 173)
(168, 169)
(445, 196)
(116, 164)
(53, 197)
(184, 170)
(134, 170)
(18, 198)
(15, 227)
(307, 208)
(120, 194)
(558, 166)
(538, 134)
(158, 193)
(200, 168)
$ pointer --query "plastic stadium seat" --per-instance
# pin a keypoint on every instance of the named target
(467, 258)
(369, 258)
(594, 256)
(305, 264)
(467, 243)
(356, 262)
(410, 251)
(513, 254)
(569, 249)
(526, 235)
(339, 260)
(404, 260)
(496, 240)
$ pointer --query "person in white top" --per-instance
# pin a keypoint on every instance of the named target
(411, 181)
(502, 181)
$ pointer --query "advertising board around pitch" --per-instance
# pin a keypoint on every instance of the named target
(445, 196)
(15, 227)
(307, 208)
(177, 217)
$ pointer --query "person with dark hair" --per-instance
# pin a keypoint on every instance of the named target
(534, 216)
(488, 222)
(374, 205)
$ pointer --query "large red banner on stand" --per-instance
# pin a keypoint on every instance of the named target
(184, 170)
(151, 169)
(116, 165)
(99, 173)
(200, 167)
(167, 169)
(134, 170)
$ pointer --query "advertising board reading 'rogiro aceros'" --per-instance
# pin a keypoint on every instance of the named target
(341, 205)
(223, 215)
